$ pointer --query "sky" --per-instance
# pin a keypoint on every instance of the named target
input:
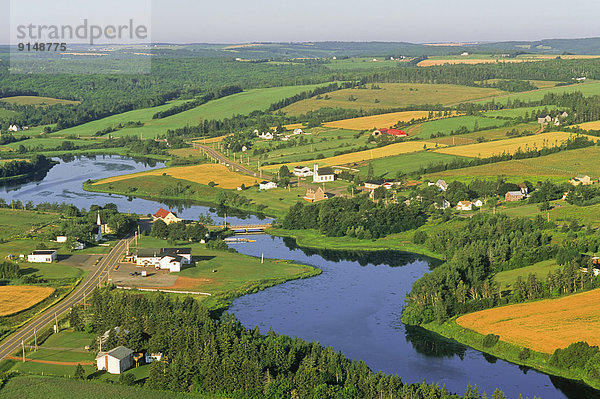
(239, 21)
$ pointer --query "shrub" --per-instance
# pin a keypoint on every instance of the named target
(420, 237)
(490, 340)
(524, 354)
(127, 379)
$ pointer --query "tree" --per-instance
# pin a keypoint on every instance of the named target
(159, 229)
(284, 172)
(79, 372)
(370, 171)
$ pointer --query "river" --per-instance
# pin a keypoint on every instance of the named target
(354, 306)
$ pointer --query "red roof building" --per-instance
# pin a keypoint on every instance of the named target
(395, 132)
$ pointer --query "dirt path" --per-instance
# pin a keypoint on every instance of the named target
(50, 361)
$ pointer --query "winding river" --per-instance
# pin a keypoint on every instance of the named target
(353, 306)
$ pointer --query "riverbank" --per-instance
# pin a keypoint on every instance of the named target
(393, 242)
(505, 351)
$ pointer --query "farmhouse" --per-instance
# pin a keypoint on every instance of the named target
(323, 175)
(302, 171)
(373, 184)
(14, 128)
(523, 187)
(298, 131)
(391, 132)
(478, 203)
(441, 184)
(115, 361)
(166, 216)
(266, 136)
(267, 185)
(512, 196)
(165, 259)
(315, 195)
(581, 179)
(42, 256)
(464, 206)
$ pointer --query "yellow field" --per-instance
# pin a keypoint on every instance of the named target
(294, 126)
(595, 125)
(355, 157)
(202, 174)
(484, 150)
(377, 121)
(543, 325)
(470, 61)
(14, 298)
(211, 140)
(36, 100)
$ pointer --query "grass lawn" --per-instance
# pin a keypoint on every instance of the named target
(541, 269)
(229, 274)
(36, 387)
(392, 95)
(487, 135)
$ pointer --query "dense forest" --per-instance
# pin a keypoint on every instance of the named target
(354, 217)
(37, 164)
(205, 355)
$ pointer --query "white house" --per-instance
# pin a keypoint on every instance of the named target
(14, 128)
(464, 206)
(323, 175)
(61, 239)
(298, 131)
(267, 185)
(373, 184)
(302, 171)
(153, 357)
(115, 361)
(165, 258)
(166, 216)
(266, 136)
(42, 256)
(441, 184)
(478, 203)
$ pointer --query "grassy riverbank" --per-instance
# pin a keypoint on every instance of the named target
(505, 351)
(394, 242)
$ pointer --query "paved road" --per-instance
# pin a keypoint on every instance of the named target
(11, 344)
(218, 156)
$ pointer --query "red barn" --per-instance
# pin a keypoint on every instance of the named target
(395, 132)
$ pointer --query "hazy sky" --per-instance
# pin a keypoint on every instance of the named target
(228, 21)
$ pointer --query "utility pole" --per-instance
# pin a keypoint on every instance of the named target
(23, 346)
(262, 258)
(35, 338)
(56, 321)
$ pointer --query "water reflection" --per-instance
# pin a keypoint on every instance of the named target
(432, 345)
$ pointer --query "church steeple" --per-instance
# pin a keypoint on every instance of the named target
(98, 221)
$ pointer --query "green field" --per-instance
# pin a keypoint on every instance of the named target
(517, 112)
(36, 100)
(17, 222)
(541, 269)
(486, 135)
(588, 89)
(393, 95)
(362, 63)
(6, 113)
(236, 104)
(324, 141)
(404, 163)
(37, 387)
(558, 167)
(446, 125)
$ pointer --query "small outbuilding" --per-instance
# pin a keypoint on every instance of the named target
(42, 256)
(115, 361)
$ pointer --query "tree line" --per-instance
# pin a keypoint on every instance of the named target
(220, 356)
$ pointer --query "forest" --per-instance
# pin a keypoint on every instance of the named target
(220, 356)
(37, 164)
(354, 217)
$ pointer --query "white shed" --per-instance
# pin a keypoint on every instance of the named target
(42, 256)
(115, 361)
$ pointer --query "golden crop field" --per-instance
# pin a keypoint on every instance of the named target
(377, 121)
(595, 125)
(470, 61)
(14, 298)
(211, 140)
(392, 95)
(202, 174)
(294, 126)
(355, 157)
(484, 150)
(542, 325)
